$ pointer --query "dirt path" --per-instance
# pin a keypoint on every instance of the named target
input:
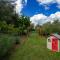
(23, 39)
(33, 48)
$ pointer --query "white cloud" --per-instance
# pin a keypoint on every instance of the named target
(58, 1)
(46, 7)
(54, 16)
(48, 1)
(38, 19)
(19, 5)
(45, 1)
(57, 14)
(25, 1)
(41, 18)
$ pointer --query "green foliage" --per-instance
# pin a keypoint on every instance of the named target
(6, 43)
(6, 11)
(12, 24)
(49, 28)
(34, 48)
(52, 28)
(23, 23)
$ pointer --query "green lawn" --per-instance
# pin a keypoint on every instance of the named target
(34, 48)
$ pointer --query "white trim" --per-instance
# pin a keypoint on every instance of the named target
(49, 46)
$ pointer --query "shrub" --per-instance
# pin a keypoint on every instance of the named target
(6, 43)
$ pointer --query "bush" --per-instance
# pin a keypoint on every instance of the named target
(6, 43)
(17, 40)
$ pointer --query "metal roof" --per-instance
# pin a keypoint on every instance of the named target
(56, 35)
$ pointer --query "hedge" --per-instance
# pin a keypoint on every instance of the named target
(6, 43)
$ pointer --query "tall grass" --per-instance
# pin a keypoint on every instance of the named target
(6, 43)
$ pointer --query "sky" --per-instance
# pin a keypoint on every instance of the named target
(39, 11)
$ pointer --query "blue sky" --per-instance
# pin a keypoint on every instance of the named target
(39, 11)
(33, 7)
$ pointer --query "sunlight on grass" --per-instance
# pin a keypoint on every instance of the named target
(34, 49)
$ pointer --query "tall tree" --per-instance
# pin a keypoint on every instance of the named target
(6, 11)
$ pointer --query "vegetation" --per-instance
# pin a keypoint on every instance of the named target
(49, 28)
(7, 42)
(10, 21)
(34, 48)
(11, 25)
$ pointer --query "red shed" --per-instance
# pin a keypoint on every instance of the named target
(53, 42)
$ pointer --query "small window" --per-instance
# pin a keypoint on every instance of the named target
(49, 40)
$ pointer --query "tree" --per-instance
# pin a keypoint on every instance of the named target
(6, 11)
(13, 20)
(23, 23)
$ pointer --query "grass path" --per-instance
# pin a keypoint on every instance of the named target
(34, 48)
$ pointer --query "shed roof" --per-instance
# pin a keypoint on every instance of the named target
(56, 35)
